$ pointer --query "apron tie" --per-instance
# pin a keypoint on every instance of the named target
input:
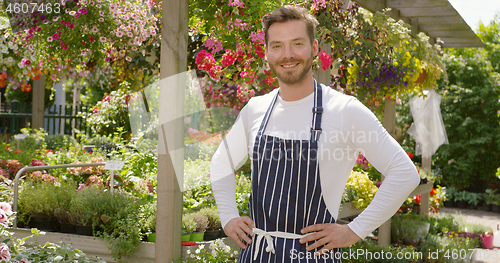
(269, 240)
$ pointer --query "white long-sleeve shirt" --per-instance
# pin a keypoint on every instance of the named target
(348, 129)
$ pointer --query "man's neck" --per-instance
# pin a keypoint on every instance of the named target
(297, 91)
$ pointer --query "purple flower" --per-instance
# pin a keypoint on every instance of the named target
(71, 26)
(43, 17)
(83, 10)
(55, 36)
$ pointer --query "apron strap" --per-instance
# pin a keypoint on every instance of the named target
(316, 120)
(317, 112)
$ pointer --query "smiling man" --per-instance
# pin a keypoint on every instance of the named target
(303, 140)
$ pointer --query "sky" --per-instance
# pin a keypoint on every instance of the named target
(473, 11)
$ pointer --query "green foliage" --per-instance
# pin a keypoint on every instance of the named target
(371, 246)
(37, 199)
(188, 224)
(197, 185)
(111, 113)
(365, 189)
(213, 218)
(469, 108)
(218, 253)
(60, 141)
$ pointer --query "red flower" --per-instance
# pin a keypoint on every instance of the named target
(410, 155)
(258, 50)
(433, 192)
(417, 199)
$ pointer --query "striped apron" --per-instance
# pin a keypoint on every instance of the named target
(286, 194)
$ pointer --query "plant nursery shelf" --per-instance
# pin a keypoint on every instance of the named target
(91, 246)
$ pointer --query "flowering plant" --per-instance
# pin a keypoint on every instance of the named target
(219, 252)
(86, 33)
(361, 189)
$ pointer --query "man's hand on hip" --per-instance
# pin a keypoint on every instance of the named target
(239, 228)
(330, 235)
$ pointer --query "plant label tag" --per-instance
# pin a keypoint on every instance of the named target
(114, 165)
(20, 136)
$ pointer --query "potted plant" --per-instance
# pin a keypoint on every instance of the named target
(149, 221)
(64, 194)
(473, 200)
(461, 198)
(495, 207)
(214, 224)
(81, 211)
(201, 221)
(450, 197)
(188, 227)
(37, 201)
(489, 197)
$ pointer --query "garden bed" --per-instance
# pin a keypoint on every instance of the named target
(92, 246)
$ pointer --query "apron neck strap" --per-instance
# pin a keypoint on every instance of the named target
(316, 120)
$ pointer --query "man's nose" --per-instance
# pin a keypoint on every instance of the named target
(288, 52)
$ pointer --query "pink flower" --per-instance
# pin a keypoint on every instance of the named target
(102, 39)
(53, 77)
(101, 13)
(6, 208)
(55, 36)
(4, 252)
(91, 39)
(65, 46)
(129, 59)
(25, 62)
(72, 13)
(326, 60)
(81, 186)
(237, 3)
(50, 39)
(83, 11)
(95, 29)
(71, 26)
(101, 19)
(4, 220)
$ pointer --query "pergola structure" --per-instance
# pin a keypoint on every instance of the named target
(437, 18)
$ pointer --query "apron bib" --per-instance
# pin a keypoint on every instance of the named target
(286, 194)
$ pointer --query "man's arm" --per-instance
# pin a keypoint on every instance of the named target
(387, 156)
(232, 150)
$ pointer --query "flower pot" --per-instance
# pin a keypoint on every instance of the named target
(45, 223)
(186, 237)
(152, 237)
(84, 230)
(222, 234)
(211, 235)
(421, 77)
(197, 237)
(66, 227)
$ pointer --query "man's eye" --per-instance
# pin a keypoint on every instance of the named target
(276, 46)
(298, 44)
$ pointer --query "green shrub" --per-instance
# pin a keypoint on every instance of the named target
(60, 141)
(213, 218)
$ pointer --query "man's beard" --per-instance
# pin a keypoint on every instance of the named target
(292, 77)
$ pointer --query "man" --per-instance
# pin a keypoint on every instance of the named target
(302, 158)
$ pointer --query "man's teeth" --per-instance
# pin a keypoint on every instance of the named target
(289, 66)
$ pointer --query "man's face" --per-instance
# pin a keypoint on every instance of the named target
(289, 51)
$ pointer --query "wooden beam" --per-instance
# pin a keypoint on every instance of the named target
(372, 5)
(440, 20)
(452, 34)
(458, 45)
(174, 39)
(38, 103)
(443, 27)
(415, 3)
(428, 11)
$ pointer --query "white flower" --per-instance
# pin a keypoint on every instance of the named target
(101, 19)
(98, 6)
(10, 60)
(25, 72)
(6, 208)
(72, 13)
(130, 34)
(102, 39)
(50, 39)
(101, 13)
(134, 48)
(197, 251)
(121, 53)
(119, 33)
(55, 18)
(202, 246)
(84, 2)
(129, 59)
(188, 251)
(95, 30)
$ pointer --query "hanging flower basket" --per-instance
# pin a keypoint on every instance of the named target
(421, 77)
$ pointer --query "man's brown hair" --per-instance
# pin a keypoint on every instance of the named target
(289, 12)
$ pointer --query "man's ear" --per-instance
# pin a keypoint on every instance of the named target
(315, 47)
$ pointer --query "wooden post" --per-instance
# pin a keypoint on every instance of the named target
(174, 38)
(38, 103)
(323, 76)
(384, 231)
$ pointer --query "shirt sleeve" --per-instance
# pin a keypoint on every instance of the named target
(232, 150)
(369, 137)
